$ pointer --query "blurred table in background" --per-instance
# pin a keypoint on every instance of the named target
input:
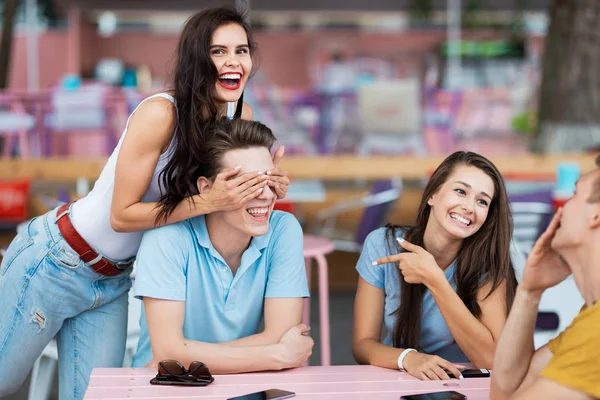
(306, 191)
(313, 168)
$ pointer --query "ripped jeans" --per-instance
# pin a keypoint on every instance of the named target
(47, 292)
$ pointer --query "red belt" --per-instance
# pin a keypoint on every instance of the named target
(100, 264)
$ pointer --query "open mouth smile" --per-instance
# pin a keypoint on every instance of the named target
(259, 214)
(230, 80)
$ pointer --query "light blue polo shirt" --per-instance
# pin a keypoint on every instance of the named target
(179, 262)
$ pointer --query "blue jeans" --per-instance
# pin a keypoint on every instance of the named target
(46, 291)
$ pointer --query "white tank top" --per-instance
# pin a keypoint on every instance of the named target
(91, 215)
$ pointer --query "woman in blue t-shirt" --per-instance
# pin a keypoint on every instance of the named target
(443, 287)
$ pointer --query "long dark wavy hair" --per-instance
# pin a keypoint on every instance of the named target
(222, 135)
(194, 79)
(483, 257)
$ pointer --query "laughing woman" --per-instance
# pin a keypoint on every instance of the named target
(67, 274)
(443, 287)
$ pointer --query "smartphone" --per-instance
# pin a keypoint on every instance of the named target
(435, 396)
(473, 373)
(269, 394)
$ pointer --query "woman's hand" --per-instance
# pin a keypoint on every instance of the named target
(231, 190)
(278, 178)
(416, 264)
(430, 368)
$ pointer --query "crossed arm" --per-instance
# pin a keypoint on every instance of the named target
(267, 350)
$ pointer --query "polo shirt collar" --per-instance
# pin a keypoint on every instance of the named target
(201, 232)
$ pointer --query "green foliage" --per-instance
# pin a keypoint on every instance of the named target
(525, 123)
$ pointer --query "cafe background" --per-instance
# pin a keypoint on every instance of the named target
(367, 97)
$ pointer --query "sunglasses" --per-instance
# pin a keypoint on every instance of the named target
(171, 372)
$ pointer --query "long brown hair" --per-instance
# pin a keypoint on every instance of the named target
(483, 257)
(222, 135)
(194, 80)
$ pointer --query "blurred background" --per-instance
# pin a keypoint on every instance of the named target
(367, 96)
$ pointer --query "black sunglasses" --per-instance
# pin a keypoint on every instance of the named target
(171, 372)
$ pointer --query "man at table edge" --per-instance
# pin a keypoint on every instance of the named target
(568, 366)
(207, 283)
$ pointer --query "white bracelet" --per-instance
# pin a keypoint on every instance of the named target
(401, 358)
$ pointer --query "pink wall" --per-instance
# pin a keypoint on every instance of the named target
(285, 57)
(156, 51)
(52, 58)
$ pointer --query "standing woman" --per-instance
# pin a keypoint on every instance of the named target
(443, 287)
(67, 274)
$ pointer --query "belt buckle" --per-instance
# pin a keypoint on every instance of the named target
(123, 265)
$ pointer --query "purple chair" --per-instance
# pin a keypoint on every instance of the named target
(85, 111)
(15, 126)
(377, 206)
(532, 213)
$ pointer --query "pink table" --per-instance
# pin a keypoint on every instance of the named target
(335, 382)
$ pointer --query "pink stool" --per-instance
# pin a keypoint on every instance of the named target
(316, 247)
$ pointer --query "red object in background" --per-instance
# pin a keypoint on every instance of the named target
(558, 202)
(287, 206)
(14, 197)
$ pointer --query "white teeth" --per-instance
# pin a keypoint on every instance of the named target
(460, 219)
(258, 211)
(230, 76)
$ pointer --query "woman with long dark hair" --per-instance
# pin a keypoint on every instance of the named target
(67, 274)
(443, 287)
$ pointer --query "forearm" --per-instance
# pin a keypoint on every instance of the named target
(471, 335)
(372, 352)
(142, 216)
(222, 358)
(516, 344)
(259, 339)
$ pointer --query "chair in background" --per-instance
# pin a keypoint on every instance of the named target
(377, 206)
(531, 215)
(317, 247)
(84, 110)
(390, 115)
(15, 125)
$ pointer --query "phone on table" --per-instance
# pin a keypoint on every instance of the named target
(473, 373)
(269, 394)
(435, 396)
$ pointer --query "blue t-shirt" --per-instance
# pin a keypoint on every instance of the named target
(178, 262)
(436, 337)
